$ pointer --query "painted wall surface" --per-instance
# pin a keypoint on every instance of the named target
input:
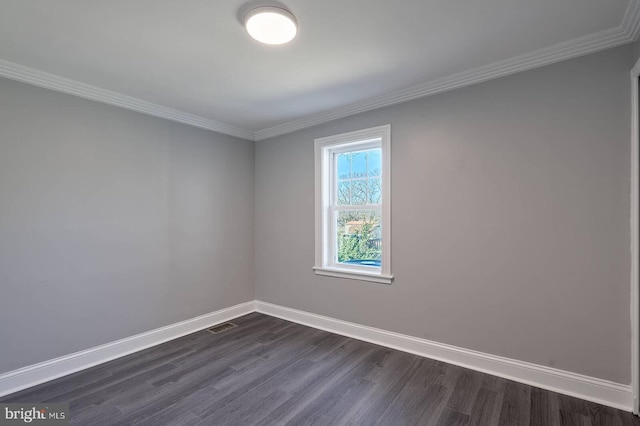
(113, 223)
(510, 213)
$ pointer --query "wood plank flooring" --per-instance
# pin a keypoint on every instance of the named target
(269, 371)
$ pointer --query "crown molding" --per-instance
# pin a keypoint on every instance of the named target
(35, 77)
(631, 21)
(628, 31)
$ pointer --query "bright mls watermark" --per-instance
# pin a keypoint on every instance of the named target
(36, 414)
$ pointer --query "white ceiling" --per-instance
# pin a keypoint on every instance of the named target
(194, 56)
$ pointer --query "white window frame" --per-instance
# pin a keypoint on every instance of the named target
(325, 150)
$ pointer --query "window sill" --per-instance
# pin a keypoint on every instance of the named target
(353, 275)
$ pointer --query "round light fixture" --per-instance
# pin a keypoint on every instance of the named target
(271, 25)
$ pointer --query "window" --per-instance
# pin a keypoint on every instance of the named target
(353, 225)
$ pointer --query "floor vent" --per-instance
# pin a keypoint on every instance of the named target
(221, 327)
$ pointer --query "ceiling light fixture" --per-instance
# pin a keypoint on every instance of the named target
(271, 25)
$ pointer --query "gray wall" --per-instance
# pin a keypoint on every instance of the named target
(510, 219)
(113, 223)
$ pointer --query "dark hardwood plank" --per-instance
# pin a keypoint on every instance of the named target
(140, 408)
(485, 410)
(103, 395)
(416, 397)
(353, 397)
(516, 405)
(100, 416)
(326, 374)
(602, 415)
(389, 379)
(573, 405)
(453, 418)
(465, 391)
(437, 397)
(544, 408)
(569, 418)
(628, 419)
(330, 401)
(244, 409)
(47, 392)
(267, 371)
(493, 383)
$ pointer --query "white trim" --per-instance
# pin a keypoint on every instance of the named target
(635, 242)
(324, 234)
(32, 375)
(35, 77)
(626, 32)
(589, 388)
(353, 275)
(630, 25)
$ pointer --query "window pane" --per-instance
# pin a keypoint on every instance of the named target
(359, 237)
(344, 166)
(358, 192)
(359, 164)
(375, 162)
(344, 192)
(375, 191)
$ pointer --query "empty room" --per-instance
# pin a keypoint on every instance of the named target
(247, 212)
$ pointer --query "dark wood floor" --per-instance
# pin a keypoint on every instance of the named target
(268, 371)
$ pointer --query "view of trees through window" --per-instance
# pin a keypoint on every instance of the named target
(359, 207)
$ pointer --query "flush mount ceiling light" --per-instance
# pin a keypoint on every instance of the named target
(271, 25)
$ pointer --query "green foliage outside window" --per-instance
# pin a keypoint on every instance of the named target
(360, 243)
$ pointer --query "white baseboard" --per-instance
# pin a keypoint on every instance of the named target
(32, 375)
(589, 388)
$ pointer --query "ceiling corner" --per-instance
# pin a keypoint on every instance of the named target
(49, 81)
(631, 22)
